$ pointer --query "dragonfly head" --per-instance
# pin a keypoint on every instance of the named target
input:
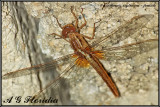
(68, 29)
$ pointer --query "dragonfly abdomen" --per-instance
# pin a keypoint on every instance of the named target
(97, 65)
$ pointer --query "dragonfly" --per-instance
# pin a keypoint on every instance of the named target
(86, 54)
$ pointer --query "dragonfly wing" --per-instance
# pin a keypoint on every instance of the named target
(72, 75)
(124, 31)
(56, 63)
(129, 50)
(55, 82)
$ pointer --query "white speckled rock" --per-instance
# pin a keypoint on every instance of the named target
(136, 78)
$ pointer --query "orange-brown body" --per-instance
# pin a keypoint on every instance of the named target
(84, 53)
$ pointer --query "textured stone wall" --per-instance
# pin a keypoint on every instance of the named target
(25, 42)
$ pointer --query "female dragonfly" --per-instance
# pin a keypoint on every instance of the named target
(86, 54)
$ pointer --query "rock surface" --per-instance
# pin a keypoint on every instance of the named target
(136, 78)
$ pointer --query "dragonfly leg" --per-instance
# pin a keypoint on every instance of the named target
(85, 22)
(59, 36)
(74, 17)
(59, 23)
(93, 33)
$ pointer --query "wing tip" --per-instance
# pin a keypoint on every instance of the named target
(149, 16)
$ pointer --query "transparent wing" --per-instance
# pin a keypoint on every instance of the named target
(129, 50)
(56, 63)
(55, 82)
(68, 72)
(71, 75)
(124, 31)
